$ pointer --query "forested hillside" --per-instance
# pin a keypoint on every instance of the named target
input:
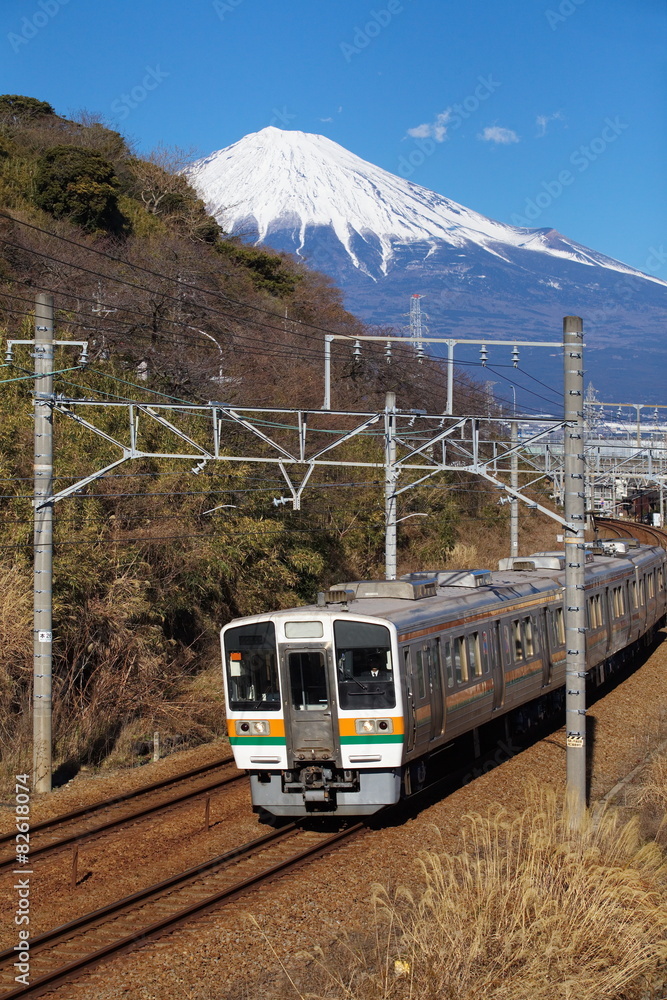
(172, 308)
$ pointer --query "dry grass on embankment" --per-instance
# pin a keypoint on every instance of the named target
(528, 910)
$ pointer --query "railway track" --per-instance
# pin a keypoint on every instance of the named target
(629, 529)
(90, 821)
(63, 953)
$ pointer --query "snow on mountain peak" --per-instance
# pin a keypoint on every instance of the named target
(274, 181)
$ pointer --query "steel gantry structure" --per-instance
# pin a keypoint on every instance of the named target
(409, 443)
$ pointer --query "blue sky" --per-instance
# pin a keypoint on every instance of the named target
(540, 112)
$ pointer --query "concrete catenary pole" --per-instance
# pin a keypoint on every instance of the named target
(43, 543)
(514, 483)
(390, 486)
(575, 562)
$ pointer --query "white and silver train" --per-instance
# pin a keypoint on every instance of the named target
(333, 709)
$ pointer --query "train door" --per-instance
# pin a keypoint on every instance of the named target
(422, 669)
(437, 696)
(606, 612)
(496, 666)
(542, 646)
(310, 706)
(409, 700)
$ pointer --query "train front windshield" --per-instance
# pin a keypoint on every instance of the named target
(364, 666)
(252, 668)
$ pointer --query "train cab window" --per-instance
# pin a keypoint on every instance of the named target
(364, 665)
(460, 659)
(252, 668)
(517, 641)
(474, 658)
(447, 657)
(528, 644)
(308, 681)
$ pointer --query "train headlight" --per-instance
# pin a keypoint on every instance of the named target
(368, 727)
(255, 727)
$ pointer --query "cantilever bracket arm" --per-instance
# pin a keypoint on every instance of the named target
(76, 487)
(518, 495)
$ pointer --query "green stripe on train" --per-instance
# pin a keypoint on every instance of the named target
(371, 738)
(258, 741)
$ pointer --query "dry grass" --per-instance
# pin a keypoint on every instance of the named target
(652, 799)
(528, 911)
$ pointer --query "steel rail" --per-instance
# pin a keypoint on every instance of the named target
(86, 834)
(179, 916)
(124, 797)
(630, 529)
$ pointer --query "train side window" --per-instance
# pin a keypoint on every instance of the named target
(428, 664)
(485, 652)
(507, 648)
(651, 584)
(528, 637)
(474, 659)
(517, 644)
(660, 580)
(421, 685)
(633, 593)
(642, 592)
(447, 653)
(460, 660)
(560, 627)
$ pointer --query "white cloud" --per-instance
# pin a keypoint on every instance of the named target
(436, 129)
(543, 120)
(495, 133)
(326, 119)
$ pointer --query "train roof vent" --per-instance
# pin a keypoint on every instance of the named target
(534, 562)
(405, 590)
(465, 578)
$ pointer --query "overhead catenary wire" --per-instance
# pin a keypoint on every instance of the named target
(215, 293)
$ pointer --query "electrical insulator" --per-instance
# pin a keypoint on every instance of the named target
(420, 352)
(483, 355)
(387, 352)
(9, 357)
(515, 356)
(357, 350)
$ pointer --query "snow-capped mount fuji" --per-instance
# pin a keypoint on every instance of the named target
(382, 238)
